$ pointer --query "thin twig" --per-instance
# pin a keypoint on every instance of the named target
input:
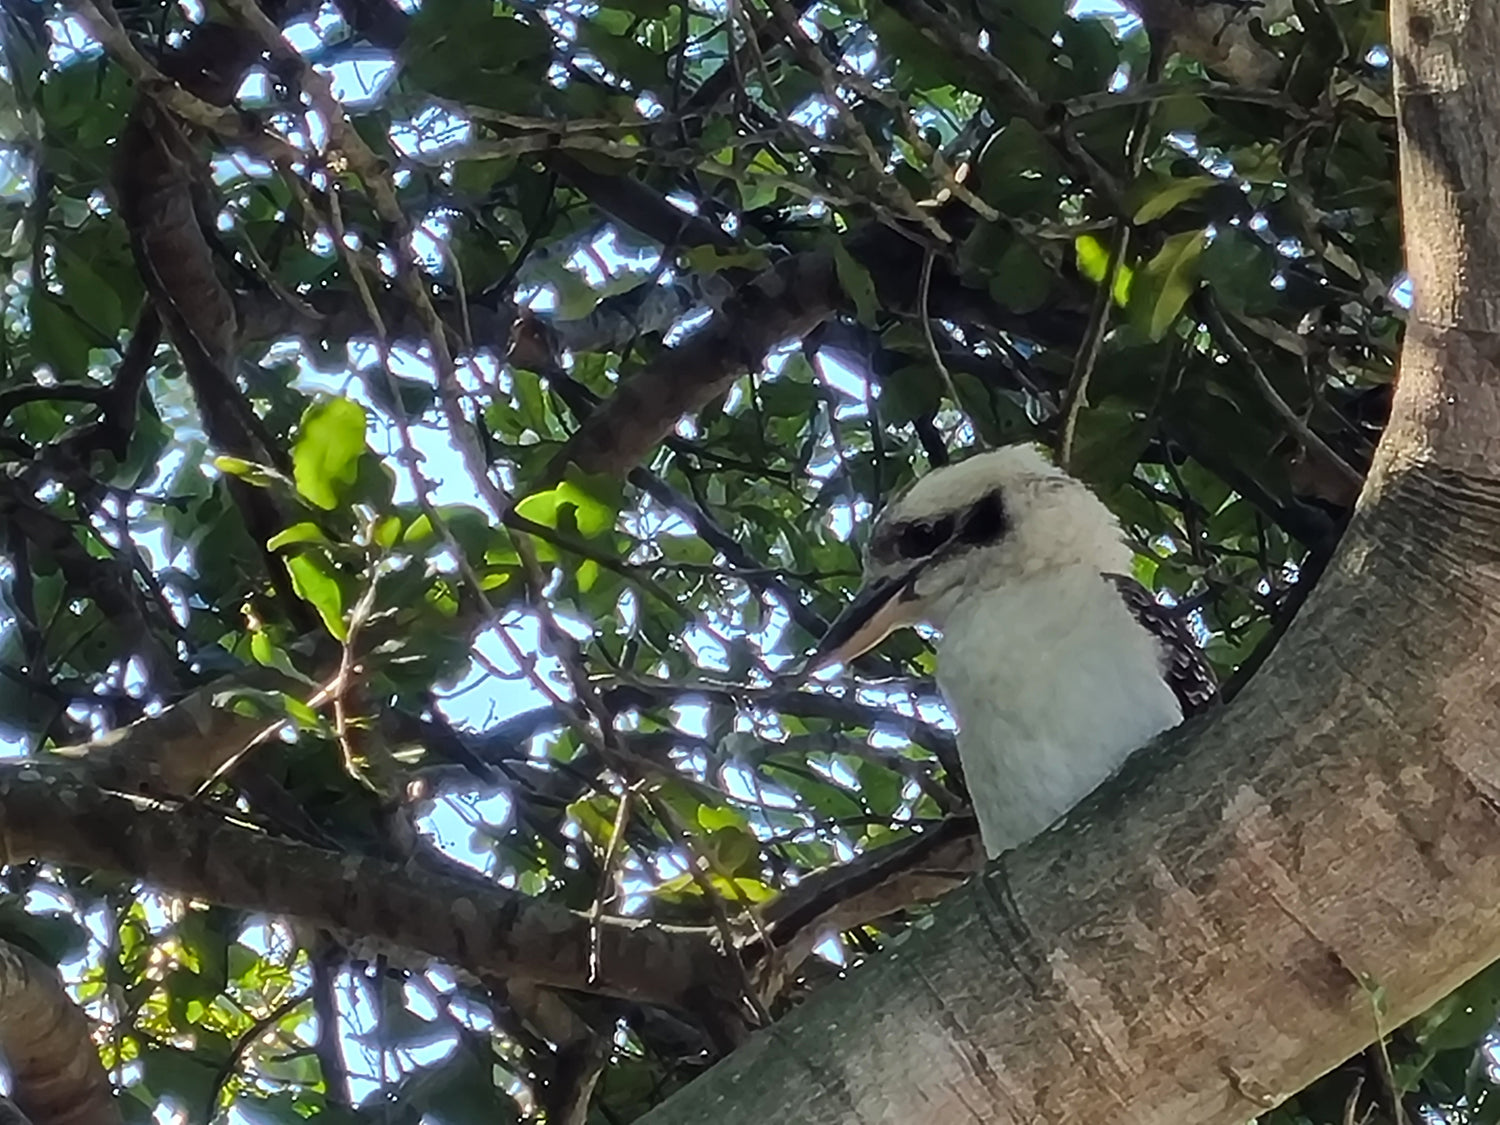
(591, 717)
(257, 1029)
(1299, 428)
(1075, 397)
(924, 310)
(606, 876)
(663, 812)
(348, 669)
(1172, 91)
(886, 184)
(320, 698)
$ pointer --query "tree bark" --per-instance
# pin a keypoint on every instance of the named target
(469, 923)
(56, 1076)
(1257, 896)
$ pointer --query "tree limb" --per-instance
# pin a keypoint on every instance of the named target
(484, 929)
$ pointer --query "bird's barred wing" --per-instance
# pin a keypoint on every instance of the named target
(1185, 668)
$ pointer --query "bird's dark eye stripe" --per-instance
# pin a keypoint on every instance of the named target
(981, 523)
(918, 540)
(984, 522)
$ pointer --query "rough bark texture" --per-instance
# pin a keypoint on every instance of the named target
(473, 925)
(1211, 931)
(56, 1075)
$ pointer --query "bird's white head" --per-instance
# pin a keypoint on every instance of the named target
(993, 519)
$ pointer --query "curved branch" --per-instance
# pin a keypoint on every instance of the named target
(56, 1075)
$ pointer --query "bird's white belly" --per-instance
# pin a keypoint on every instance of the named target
(1053, 685)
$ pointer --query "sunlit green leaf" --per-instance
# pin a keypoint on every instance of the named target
(316, 582)
(326, 455)
(591, 515)
(1093, 262)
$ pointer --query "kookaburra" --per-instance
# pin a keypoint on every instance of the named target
(1055, 663)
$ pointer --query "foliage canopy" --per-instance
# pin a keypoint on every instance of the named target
(514, 379)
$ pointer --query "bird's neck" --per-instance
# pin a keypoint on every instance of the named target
(1053, 684)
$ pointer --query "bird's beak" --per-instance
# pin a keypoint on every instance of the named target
(878, 610)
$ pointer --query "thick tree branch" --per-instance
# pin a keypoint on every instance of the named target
(165, 199)
(479, 927)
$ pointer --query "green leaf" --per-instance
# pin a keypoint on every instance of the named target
(325, 458)
(304, 532)
(300, 713)
(1093, 263)
(713, 817)
(591, 515)
(386, 531)
(316, 582)
(374, 481)
(918, 61)
(1019, 171)
(249, 472)
(595, 815)
(1166, 282)
(171, 1074)
(264, 651)
(909, 393)
(1240, 267)
(732, 890)
(1021, 279)
(92, 295)
(714, 259)
(473, 51)
(857, 284)
(471, 530)
(1462, 1017)
(57, 337)
(1092, 53)
(416, 396)
(1110, 439)
(651, 9)
(1153, 199)
(621, 53)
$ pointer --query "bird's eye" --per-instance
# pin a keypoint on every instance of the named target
(918, 540)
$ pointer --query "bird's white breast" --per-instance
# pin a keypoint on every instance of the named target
(1053, 685)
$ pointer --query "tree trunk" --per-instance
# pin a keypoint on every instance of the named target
(1259, 895)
